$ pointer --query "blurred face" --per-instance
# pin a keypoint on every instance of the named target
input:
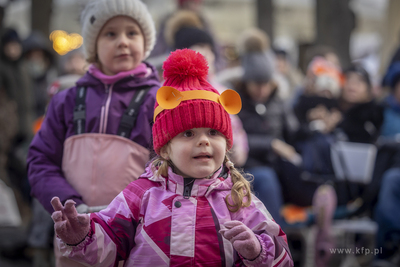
(333, 58)
(259, 92)
(281, 64)
(120, 45)
(13, 50)
(37, 63)
(355, 89)
(192, 5)
(196, 153)
(76, 64)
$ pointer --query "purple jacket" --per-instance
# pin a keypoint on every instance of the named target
(46, 150)
(151, 223)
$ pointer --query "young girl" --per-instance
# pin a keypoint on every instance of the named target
(191, 207)
(95, 138)
(73, 156)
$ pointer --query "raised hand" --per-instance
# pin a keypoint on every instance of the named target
(70, 226)
(242, 238)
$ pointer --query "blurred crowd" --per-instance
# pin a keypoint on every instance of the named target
(291, 124)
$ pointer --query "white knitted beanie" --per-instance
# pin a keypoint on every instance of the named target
(97, 12)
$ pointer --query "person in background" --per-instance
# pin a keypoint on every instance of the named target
(105, 120)
(74, 62)
(19, 91)
(386, 210)
(40, 63)
(191, 206)
(320, 90)
(8, 121)
(11, 56)
(184, 31)
(316, 107)
(391, 124)
(164, 45)
(288, 77)
(72, 67)
(41, 231)
(266, 121)
(362, 115)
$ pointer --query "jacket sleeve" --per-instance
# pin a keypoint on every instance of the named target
(112, 234)
(275, 250)
(113, 230)
(45, 158)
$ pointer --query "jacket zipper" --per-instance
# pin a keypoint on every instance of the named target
(186, 192)
(188, 184)
(105, 109)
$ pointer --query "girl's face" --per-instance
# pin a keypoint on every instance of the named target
(196, 153)
(259, 92)
(355, 89)
(120, 45)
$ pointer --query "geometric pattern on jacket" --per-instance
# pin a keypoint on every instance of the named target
(150, 223)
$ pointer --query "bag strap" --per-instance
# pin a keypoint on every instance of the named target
(80, 111)
(129, 117)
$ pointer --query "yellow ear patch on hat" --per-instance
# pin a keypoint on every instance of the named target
(169, 98)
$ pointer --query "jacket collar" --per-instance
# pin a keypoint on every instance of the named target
(139, 71)
(126, 81)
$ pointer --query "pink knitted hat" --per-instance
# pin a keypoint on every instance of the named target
(186, 70)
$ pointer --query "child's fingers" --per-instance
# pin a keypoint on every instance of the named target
(242, 236)
(69, 208)
(222, 231)
(231, 224)
(57, 216)
(56, 203)
(231, 233)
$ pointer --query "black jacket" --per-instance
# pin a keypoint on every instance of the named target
(362, 123)
(262, 128)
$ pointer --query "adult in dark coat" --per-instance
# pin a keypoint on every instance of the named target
(39, 61)
(265, 120)
(362, 115)
(19, 90)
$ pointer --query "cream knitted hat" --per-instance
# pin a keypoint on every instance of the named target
(97, 12)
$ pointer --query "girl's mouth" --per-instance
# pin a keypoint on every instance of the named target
(202, 157)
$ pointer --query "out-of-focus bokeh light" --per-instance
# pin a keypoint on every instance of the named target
(64, 42)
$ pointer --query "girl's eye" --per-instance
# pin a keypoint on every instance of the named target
(132, 33)
(213, 132)
(188, 134)
(110, 34)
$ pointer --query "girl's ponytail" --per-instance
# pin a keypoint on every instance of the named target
(241, 190)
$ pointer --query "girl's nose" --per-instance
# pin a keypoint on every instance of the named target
(123, 40)
(203, 140)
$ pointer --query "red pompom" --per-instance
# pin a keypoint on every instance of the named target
(184, 63)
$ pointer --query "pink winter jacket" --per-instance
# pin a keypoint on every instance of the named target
(151, 223)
